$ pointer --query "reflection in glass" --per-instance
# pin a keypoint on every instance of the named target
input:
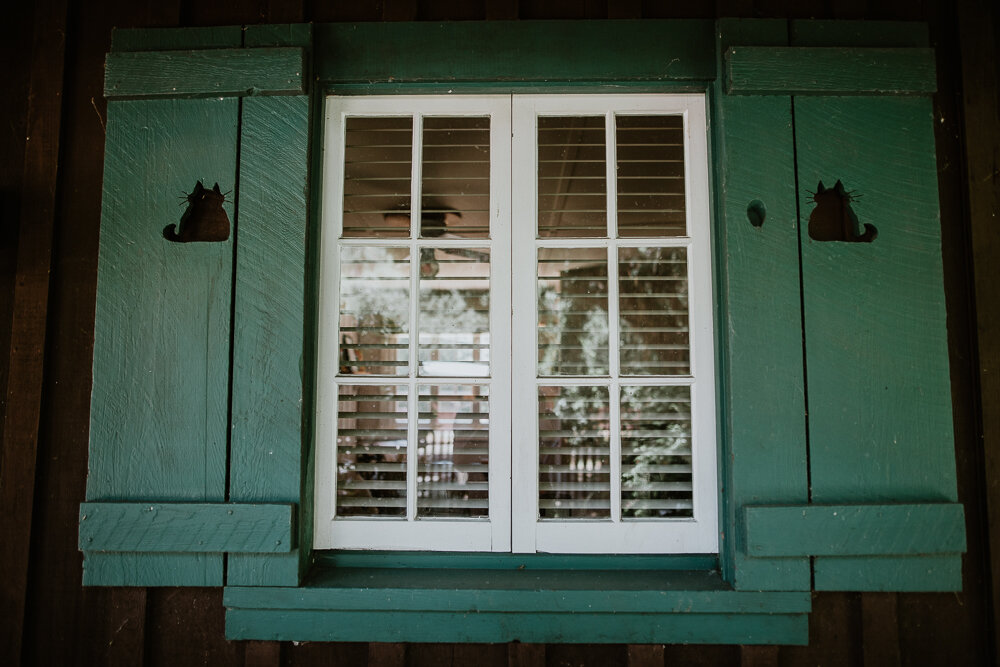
(454, 322)
(572, 311)
(574, 453)
(374, 310)
(572, 179)
(656, 452)
(377, 164)
(456, 178)
(650, 167)
(453, 451)
(371, 451)
(653, 311)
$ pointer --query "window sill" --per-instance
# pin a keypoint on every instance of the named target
(532, 602)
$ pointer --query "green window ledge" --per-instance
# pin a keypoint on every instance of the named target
(501, 598)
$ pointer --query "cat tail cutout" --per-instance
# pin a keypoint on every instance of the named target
(869, 235)
(170, 234)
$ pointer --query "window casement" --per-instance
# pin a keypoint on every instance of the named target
(529, 368)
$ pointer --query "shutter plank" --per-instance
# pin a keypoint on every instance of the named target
(762, 378)
(161, 348)
(876, 343)
(267, 427)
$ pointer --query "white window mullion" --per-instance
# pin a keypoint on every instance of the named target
(614, 401)
(524, 350)
(412, 459)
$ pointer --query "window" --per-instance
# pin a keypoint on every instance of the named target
(529, 368)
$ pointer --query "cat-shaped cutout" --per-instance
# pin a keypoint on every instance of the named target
(833, 219)
(204, 220)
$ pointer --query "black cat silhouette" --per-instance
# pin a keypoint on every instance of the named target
(833, 219)
(204, 220)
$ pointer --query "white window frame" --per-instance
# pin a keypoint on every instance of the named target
(513, 474)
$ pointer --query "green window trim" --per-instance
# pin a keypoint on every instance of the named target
(181, 111)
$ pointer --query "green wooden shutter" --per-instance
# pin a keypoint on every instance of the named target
(881, 512)
(167, 314)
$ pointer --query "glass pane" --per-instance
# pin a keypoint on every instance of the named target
(453, 450)
(374, 310)
(572, 311)
(572, 178)
(650, 151)
(653, 311)
(377, 162)
(454, 320)
(456, 178)
(574, 453)
(656, 452)
(371, 451)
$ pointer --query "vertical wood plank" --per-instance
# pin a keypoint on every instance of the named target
(399, 10)
(977, 26)
(876, 342)
(525, 655)
(501, 10)
(267, 422)
(262, 654)
(645, 655)
(186, 626)
(117, 637)
(386, 654)
(29, 317)
(879, 630)
(161, 345)
(624, 9)
(762, 381)
(758, 656)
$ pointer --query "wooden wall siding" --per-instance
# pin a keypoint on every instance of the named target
(65, 624)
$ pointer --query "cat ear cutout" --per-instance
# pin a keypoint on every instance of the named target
(204, 220)
(833, 219)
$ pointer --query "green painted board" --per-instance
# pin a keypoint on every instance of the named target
(876, 342)
(182, 527)
(267, 422)
(907, 574)
(161, 343)
(484, 627)
(151, 569)
(516, 50)
(165, 39)
(206, 72)
(827, 70)
(762, 408)
(855, 530)
(510, 561)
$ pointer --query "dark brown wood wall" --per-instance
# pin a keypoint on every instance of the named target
(51, 149)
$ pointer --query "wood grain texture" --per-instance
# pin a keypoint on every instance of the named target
(759, 656)
(855, 530)
(525, 655)
(203, 73)
(262, 654)
(161, 348)
(927, 573)
(386, 655)
(516, 51)
(880, 629)
(762, 406)
(823, 70)
(179, 39)
(266, 456)
(645, 655)
(183, 527)
(29, 317)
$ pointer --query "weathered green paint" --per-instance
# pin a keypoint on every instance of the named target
(822, 70)
(267, 443)
(876, 343)
(761, 411)
(490, 627)
(507, 561)
(181, 527)
(889, 574)
(855, 530)
(204, 73)
(394, 589)
(515, 51)
(161, 344)
(164, 39)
